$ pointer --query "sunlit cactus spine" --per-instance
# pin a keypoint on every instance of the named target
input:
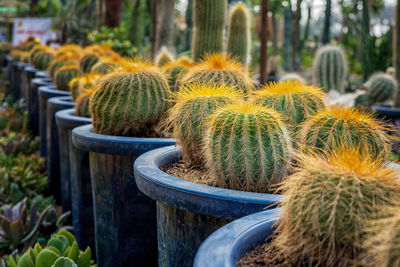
(339, 125)
(292, 76)
(42, 59)
(294, 99)
(330, 68)
(81, 83)
(238, 43)
(68, 49)
(64, 75)
(106, 65)
(88, 61)
(82, 102)
(326, 204)
(220, 69)
(131, 101)
(208, 27)
(163, 57)
(193, 104)
(176, 70)
(381, 87)
(247, 147)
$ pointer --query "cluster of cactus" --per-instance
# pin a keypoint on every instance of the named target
(64, 76)
(129, 101)
(81, 83)
(292, 76)
(295, 100)
(20, 56)
(163, 57)
(330, 68)
(42, 59)
(60, 250)
(338, 125)
(82, 102)
(381, 87)
(220, 69)
(327, 203)
(238, 43)
(176, 70)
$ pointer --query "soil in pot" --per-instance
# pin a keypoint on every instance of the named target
(261, 255)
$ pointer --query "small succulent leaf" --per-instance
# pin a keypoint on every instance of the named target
(38, 248)
(5, 225)
(57, 243)
(32, 253)
(46, 258)
(11, 262)
(70, 237)
(26, 261)
(7, 211)
(55, 250)
(64, 262)
(74, 252)
(17, 233)
(63, 218)
(38, 223)
(85, 258)
(33, 216)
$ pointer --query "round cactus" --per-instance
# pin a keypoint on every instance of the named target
(20, 56)
(339, 125)
(82, 102)
(238, 43)
(292, 76)
(81, 83)
(247, 147)
(68, 49)
(130, 101)
(327, 203)
(57, 63)
(42, 59)
(187, 117)
(220, 69)
(88, 61)
(106, 65)
(330, 68)
(163, 57)
(64, 75)
(36, 49)
(381, 87)
(176, 70)
(294, 99)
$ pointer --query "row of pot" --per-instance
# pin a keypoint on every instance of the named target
(141, 214)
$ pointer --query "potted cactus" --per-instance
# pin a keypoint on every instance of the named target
(123, 127)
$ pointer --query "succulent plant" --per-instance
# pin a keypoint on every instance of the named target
(292, 76)
(187, 118)
(326, 204)
(36, 49)
(42, 59)
(208, 27)
(20, 56)
(163, 57)
(59, 62)
(82, 102)
(220, 69)
(238, 43)
(294, 99)
(176, 70)
(62, 248)
(81, 83)
(64, 75)
(330, 68)
(381, 87)
(107, 65)
(137, 98)
(68, 49)
(247, 147)
(88, 61)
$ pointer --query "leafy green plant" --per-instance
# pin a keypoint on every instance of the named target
(18, 143)
(115, 38)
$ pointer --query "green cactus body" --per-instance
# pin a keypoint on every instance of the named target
(220, 69)
(176, 70)
(36, 49)
(381, 87)
(339, 125)
(247, 147)
(55, 64)
(88, 61)
(42, 60)
(208, 27)
(292, 77)
(238, 44)
(64, 75)
(106, 65)
(188, 116)
(330, 68)
(81, 83)
(295, 100)
(82, 104)
(129, 102)
(163, 57)
(326, 205)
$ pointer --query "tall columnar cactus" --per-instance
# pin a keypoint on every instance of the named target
(220, 69)
(82, 102)
(292, 76)
(64, 75)
(176, 70)
(163, 57)
(81, 83)
(294, 99)
(107, 65)
(247, 147)
(396, 50)
(188, 116)
(339, 125)
(287, 38)
(238, 45)
(88, 61)
(42, 59)
(130, 101)
(327, 203)
(381, 87)
(330, 68)
(208, 27)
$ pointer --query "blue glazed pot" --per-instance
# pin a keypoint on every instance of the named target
(226, 246)
(188, 212)
(16, 82)
(60, 189)
(46, 92)
(33, 103)
(386, 112)
(125, 218)
(42, 74)
(74, 171)
(9, 69)
(28, 73)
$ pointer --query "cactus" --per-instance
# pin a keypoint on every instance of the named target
(208, 27)
(287, 38)
(42, 59)
(57, 63)
(295, 100)
(36, 49)
(163, 57)
(187, 117)
(129, 101)
(106, 65)
(247, 147)
(330, 68)
(327, 203)
(220, 69)
(88, 61)
(68, 48)
(64, 75)
(82, 102)
(339, 125)
(292, 76)
(176, 70)
(238, 44)
(81, 83)
(20, 56)
(381, 87)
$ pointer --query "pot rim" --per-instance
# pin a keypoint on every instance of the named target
(385, 110)
(61, 101)
(40, 81)
(42, 73)
(86, 139)
(197, 198)
(47, 92)
(20, 64)
(30, 68)
(226, 246)
(66, 118)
